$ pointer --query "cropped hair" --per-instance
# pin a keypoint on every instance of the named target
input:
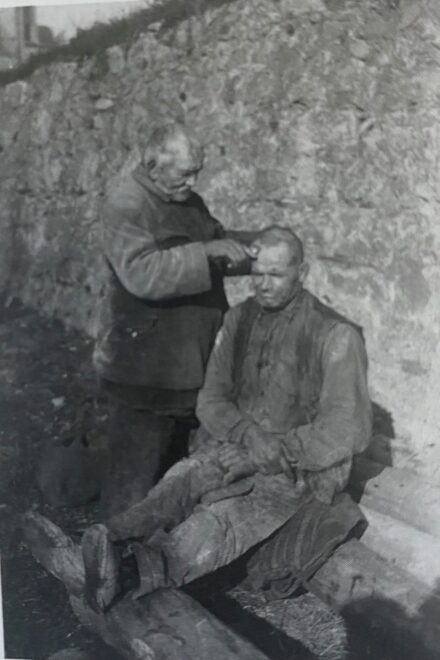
(276, 234)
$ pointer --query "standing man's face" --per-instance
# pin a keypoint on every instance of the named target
(176, 172)
(276, 275)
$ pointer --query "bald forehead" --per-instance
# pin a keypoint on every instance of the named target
(278, 235)
(278, 256)
(283, 240)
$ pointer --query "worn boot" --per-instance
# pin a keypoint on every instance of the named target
(101, 562)
(52, 548)
(151, 564)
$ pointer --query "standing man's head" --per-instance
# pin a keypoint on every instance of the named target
(173, 158)
(279, 268)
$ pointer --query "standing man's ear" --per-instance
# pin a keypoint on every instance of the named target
(303, 271)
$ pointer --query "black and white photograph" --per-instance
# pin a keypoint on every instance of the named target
(220, 330)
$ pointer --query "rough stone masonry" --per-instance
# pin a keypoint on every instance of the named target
(320, 114)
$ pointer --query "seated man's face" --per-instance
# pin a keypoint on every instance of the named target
(276, 275)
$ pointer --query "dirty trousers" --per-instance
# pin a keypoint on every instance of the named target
(191, 525)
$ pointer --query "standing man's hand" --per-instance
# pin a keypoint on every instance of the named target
(236, 254)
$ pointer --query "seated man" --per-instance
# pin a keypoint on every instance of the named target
(284, 408)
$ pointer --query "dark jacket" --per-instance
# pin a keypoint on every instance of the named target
(163, 301)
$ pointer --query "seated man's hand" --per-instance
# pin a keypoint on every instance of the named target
(236, 254)
(265, 451)
(235, 462)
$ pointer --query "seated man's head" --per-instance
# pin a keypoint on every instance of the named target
(173, 158)
(279, 268)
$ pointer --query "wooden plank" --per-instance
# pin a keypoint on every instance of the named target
(418, 553)
(398, 493)
(165, 625)
(402, 511)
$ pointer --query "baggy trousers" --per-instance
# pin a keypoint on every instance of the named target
(206, 525)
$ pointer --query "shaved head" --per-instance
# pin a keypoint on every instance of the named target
(277, 235)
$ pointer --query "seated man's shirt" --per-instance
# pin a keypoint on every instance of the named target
(298, 374)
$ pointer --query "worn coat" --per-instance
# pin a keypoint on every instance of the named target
(163, 300)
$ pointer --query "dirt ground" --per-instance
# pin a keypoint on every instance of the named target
(48, 395)
(46, 385)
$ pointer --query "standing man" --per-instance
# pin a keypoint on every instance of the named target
(163, 304)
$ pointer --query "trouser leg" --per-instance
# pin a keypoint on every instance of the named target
(297, 550)
(137, 441)
(169, 502)
(216, 534)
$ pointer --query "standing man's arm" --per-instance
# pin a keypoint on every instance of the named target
(145, 270)
(243, 235)
(152, 273)
(245, 238)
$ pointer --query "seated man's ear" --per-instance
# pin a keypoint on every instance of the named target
(303, 271)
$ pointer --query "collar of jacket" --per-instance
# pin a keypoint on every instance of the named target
(141, 176)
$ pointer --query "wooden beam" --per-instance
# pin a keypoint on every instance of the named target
(402, 511)
(165, 625)
(416, 552)
(398, 493)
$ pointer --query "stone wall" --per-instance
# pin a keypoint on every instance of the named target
(319, 114)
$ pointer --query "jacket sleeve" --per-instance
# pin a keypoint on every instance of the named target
(343, 424)
(143, 268)
(246, 236)
(216, 409)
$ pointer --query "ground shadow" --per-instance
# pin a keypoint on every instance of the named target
(383, 424)
(378, 454)
(380, 629)
(267, 638)
(210, 592)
